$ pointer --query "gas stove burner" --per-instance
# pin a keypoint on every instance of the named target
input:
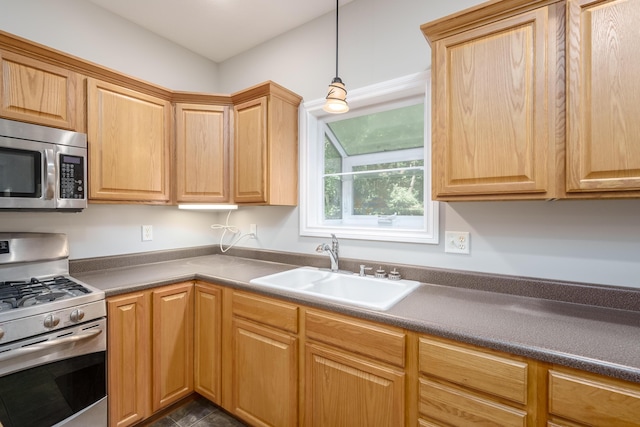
(51, 296)
(16, 294)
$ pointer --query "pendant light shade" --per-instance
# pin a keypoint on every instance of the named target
(337, 94)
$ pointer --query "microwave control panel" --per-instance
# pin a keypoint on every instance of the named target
(71, 177)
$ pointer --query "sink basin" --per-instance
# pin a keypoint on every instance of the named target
(368, 292)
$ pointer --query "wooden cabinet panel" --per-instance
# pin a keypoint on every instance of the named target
(359, 336)
(482, 371)
(266, 145)
(172, 344)
(593, 400)
(40, 93)
(267, 311)
(342, 389)
(129, 135)
(202, 153)
(250, 151)
(129, 353)
(455, 407)
(491, 130)
(603, 138)
(265, 375)
(207, 370)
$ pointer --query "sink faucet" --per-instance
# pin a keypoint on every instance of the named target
(332, 251)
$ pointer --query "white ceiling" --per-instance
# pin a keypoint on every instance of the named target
(219, 29)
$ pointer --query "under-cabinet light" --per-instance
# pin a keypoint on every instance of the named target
(208, 207)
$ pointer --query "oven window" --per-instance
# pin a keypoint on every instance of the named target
(47, 394)
(20, 173)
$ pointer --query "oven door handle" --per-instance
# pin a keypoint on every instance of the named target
(23, 351)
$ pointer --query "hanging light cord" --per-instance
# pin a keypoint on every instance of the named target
(231, 228)
(337, 7)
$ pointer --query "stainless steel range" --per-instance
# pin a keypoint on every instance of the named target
(52, 337)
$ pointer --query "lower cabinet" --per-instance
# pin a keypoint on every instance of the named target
(276, 363)
(150, 356)
(207, 341)
(129, 358)
(591, 400)
(354, 372)
(461, 384)
(265, 361)
(172, 373)
(344, 389)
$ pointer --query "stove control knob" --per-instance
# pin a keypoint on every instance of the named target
(1, 333)
(51, 321)
(76, 315)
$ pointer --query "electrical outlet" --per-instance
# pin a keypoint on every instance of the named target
(457, 242)
(253, 230)
(147, 233)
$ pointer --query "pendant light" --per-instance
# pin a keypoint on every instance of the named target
(337, 94)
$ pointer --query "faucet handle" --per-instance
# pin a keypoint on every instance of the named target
(380, 273)
(363, 268)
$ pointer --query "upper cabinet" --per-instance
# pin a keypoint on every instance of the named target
(129, 135)
(240, 148)
(536, 100)
(37, 92)
(603, 93)
(266, 146)
(202, 153)
(496, 116)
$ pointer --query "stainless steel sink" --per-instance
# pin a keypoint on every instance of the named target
(368, 292)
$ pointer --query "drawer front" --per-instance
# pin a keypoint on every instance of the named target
(454, 407)
(482, 371)
(267, 311)
(368, 339)
(593, 401)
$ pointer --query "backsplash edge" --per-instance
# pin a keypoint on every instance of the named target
(616, 297)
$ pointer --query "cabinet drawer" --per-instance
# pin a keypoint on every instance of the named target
(482, 371)
(593, 400)
(456, 407)
(369, 339)
(267, 311)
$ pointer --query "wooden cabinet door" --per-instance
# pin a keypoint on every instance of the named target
(202, 158)
(494, 109)
(129, 135)
(266, 145)
(40, 93)
(250, 151)
(265, 375)
(456, 407)
(208, 341)
(129, 358)
(172, 344)
(603, 89)
(593, 399)
(342, 389)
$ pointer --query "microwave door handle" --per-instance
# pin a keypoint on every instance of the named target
(50, 174)
(23, 351)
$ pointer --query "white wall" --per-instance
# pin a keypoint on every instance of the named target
(587, 241)
(82, 29)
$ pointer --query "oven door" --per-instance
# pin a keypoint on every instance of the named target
(56, 379)
(27, 174)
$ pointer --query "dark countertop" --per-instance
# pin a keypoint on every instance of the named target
(596, 339)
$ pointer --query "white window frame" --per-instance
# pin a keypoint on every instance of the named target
(367, 100)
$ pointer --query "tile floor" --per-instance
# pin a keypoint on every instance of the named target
(198, 413)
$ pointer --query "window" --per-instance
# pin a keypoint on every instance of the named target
(366, 174)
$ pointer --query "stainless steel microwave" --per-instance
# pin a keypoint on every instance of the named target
(42, 168)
